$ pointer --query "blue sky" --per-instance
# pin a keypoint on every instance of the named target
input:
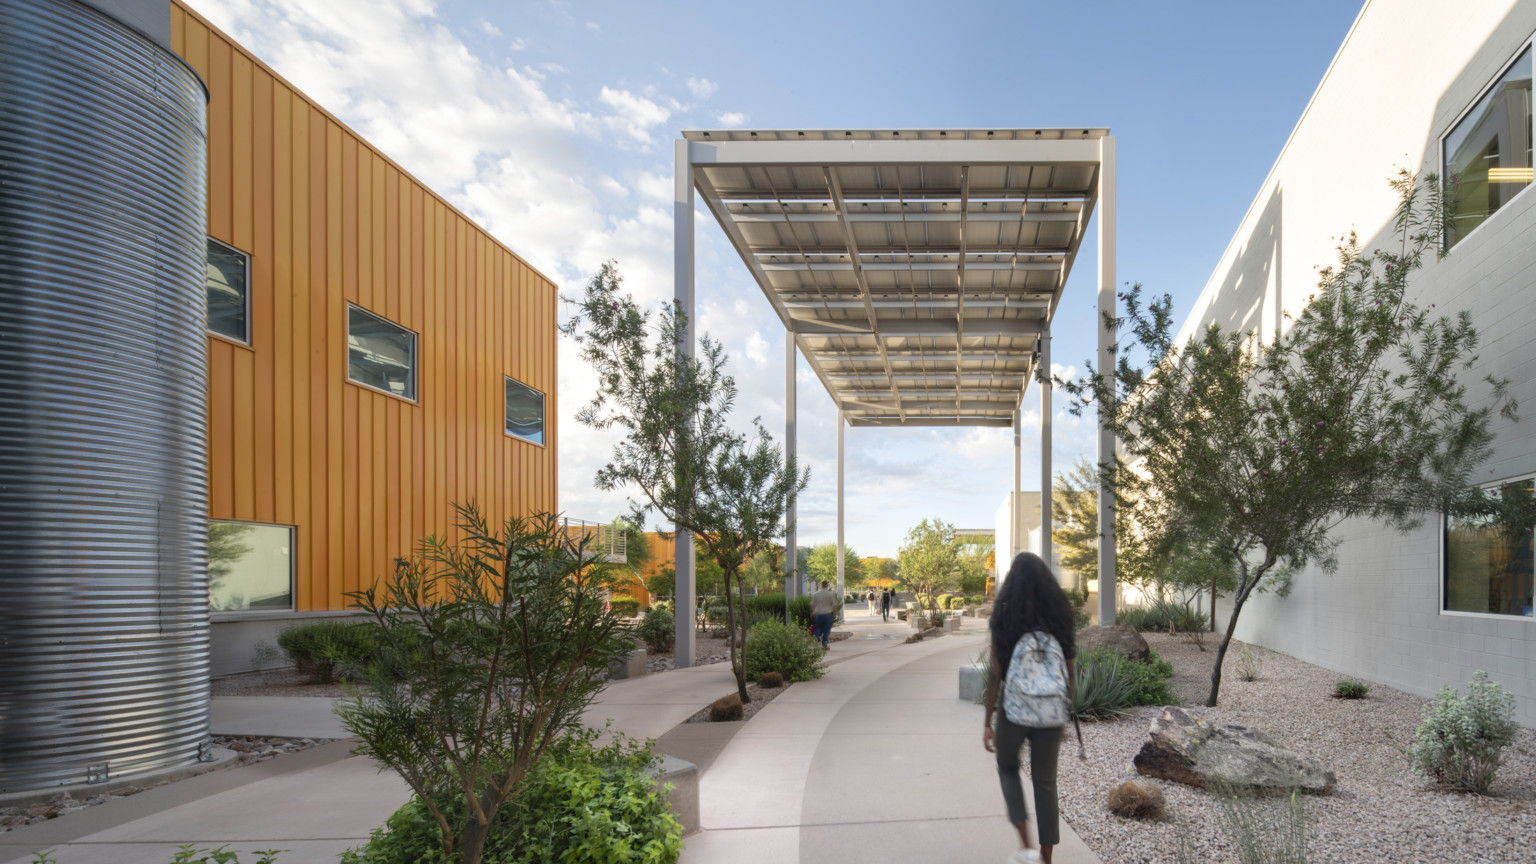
(551, 124)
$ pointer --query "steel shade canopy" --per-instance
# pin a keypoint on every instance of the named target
(916, 270)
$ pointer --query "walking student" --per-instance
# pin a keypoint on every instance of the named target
(822, 605)
(1032, 670)
(885, 604)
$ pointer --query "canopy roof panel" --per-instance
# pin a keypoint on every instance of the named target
(915, 269)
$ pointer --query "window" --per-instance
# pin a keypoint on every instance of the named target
(250, 567)
(380, 354)
(525, 412)
(1488, 568)
(228, 269)
(1486, 158)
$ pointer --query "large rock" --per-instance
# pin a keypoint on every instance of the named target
(1185, 749)
(1122, 639)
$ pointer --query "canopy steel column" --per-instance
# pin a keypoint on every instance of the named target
(840, 590)
(685, 599)
(1106, 368)
(1018, 491)
(1043, 375)
(791, 569)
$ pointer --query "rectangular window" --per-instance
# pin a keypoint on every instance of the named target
(250, 567)
(380, 354)
(1487, 156)
(525, 412)
(228, 300)
(1488, 568)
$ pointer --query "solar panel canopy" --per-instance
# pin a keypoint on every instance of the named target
(915, 269)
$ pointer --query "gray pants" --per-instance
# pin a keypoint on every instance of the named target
(1044, 746)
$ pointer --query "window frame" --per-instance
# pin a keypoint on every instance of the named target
(1529, 44)
(1445, 529)
(415, 397)
(293, 571)
(543, 412)
(246, 259)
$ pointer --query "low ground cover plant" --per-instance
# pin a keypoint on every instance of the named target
(629, 607)
(1132, 800)
(1249, 666)
(330, 648)
(580, 803)
(791, 652)
(1348, 688)
(1460, 743)
(1266, 829)
(726, 708)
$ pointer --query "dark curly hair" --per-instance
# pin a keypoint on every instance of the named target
(1030, 599)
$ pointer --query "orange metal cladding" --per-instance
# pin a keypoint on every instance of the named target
(328, 221)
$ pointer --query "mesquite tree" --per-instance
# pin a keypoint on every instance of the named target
(680, 453)
(930, 560)
(1254, 452)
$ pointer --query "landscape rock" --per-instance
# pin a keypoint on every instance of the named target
(1118, 637)
(1186, 749)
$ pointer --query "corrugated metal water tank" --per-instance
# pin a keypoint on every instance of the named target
(103, 371)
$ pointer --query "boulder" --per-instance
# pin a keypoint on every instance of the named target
(1122, 639)
(1186, 749)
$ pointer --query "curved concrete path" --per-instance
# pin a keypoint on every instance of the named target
(878, 761)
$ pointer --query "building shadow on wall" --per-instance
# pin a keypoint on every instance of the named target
(1250, 296)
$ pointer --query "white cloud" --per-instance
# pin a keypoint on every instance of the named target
(633, 115)
(594, 26)
(489, 29)
(520, 43)
(732, 119)
(702, 87)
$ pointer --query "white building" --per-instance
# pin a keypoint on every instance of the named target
(1431, 85)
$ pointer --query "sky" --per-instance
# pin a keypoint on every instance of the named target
(551, 124)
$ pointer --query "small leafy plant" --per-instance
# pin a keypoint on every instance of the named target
(1265, 829)
(1460, 742)
(1349, 688)
(1103, 686)
(658, 630)
(772, 647)
(1249, 666)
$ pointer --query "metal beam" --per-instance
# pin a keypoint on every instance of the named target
(684, 588)
(1043, 376)
(893, 152)
(1106, 364)
(840, 589)
(965, 191)
(816, 305)
(791, 572)
(918, 327)
(1054, 216)
(924, 195)
(858, 274)
(950, 266)
(1001, 422)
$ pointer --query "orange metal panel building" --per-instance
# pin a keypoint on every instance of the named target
(330, 225)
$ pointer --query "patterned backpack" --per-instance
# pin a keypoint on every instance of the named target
(1035, 692)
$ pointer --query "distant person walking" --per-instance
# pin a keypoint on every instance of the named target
(885, 605)
(822, 606)
(871, 598)
(1032, 665)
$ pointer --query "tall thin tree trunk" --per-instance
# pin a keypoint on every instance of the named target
(472, 843)
(1221, 653)
(738, 668)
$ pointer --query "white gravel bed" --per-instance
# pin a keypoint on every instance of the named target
(1381, 811)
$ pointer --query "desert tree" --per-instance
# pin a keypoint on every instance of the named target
(930, 559)
(1253, 451)
(680, 457)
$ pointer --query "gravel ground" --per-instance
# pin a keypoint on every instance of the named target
(276, 682)
(759, 695)
(1381, 811)
(252, 749)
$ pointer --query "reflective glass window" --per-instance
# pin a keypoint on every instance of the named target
(1488, 155)
(1488, 567)
(227, 299)
(381, 354)
(250, 567)
(525, 412)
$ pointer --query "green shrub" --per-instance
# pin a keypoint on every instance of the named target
(629, 607)
(1151, 678)
(666, 606)
(580, 803)
(771, 681)
(1460, 742)
(1142, 618)
(331, 648)
(1104, 686)
(944, 600)
(1249, 666)
(763, 606)
(1348, 688)
(658, 630)
(772, 647)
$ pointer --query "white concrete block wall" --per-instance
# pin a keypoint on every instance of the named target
(1408, 69)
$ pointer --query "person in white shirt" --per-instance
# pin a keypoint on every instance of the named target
(822, 606)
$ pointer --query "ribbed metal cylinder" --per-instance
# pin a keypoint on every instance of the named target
(103, 376)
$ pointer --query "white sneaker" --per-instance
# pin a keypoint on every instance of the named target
(1025, 856)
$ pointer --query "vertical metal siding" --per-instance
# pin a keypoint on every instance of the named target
(327, 221)
(103, 479)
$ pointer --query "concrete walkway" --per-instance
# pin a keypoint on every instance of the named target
(878, 761)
